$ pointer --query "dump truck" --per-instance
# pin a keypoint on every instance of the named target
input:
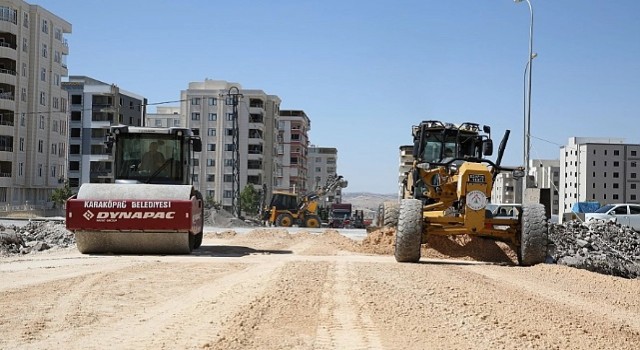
(448, 188)
(151, 207)
(286, 209)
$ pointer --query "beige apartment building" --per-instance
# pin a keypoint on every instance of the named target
(95, 106)
(323, 163)
(208, 109)
(33, 105)
(165, 117)
(292, 148)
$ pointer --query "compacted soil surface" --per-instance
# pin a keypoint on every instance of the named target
(271, 289)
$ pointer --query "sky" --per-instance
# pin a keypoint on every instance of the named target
(366, 71)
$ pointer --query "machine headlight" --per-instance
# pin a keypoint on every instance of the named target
(518, 173)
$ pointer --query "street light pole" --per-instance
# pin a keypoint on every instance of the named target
(527, 132)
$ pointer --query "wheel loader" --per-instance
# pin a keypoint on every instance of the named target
(150, 208)
(286, 210)
(448, 188)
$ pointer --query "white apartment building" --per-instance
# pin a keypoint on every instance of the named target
(165, 117)
(406, 162)
(546, 174)
(603, 170)
(33, 106)
(323, 163)
(208, 109)
(292, 149)
(506, 189)
(95, 106)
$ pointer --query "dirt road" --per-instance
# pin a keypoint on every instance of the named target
(272, 290)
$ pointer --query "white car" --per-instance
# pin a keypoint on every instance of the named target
(623, 214)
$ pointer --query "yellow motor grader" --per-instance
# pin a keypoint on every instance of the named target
(448, 188)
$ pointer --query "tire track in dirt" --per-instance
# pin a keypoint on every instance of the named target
(341, 326)
(593, 306)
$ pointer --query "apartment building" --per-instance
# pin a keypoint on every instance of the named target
(546, 175)
(292, 147)
(209, 111)
(604, 170)
(506, 189)
(406, 162)
(95, 106)
(165, 117)
(323, 163)
(33, 106)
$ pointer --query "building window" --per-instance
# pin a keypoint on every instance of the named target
(633, 153)
(634, 164)
(633, 175)
(40, 146)
(23, 95)
(211, 147)
(213, 101)
(211, 162)
(195, 116)
(211, 178)
(195, 101)
(43, 74)
(25, 44)
(616, 153)
(54, 148)
(227, 194)
(229, 132)
(56, 79)
(615, 185)
(45, 26)
(25, 20)
(55, 103)
(616, 163)
(228, 147)
(43, 98)
(213, 117)
(228, 162)
(22, 144)
(20, 169)
(616, 175)
(56, 56)
(44, 50)
(41, 122)
(633, 197)
(211, 132)
(58, 34)
(615, 196)
(228, 178)
(229, 116)
(194, 177)
(23, 120)
(76, 99)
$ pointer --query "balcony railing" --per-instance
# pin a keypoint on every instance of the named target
(7, 71)
(7, 95)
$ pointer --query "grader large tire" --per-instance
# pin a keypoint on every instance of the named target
(284, 220)
(390, 212)
(409, 231)
(533, 235)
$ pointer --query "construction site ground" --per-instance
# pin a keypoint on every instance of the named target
(271, 289)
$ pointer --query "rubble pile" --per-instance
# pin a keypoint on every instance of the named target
(34, 237)
(222, 218)
(597, 246)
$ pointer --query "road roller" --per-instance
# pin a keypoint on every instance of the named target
(151, 206)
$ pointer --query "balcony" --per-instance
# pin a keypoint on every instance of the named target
(8, 51)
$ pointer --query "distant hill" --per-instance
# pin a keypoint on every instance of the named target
(367, 201)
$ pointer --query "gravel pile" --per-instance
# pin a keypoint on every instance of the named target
(34, 237)
(598, 246)
(222, 218)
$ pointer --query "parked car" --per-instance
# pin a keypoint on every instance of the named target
(621, 213)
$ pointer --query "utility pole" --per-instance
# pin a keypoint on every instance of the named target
(234, 94)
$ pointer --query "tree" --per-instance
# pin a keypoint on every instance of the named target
(210, 203)
(250, 200)
(60, 195)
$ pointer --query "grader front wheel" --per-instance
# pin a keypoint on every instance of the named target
(409, 231)
(390, 212)
(533, 235)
